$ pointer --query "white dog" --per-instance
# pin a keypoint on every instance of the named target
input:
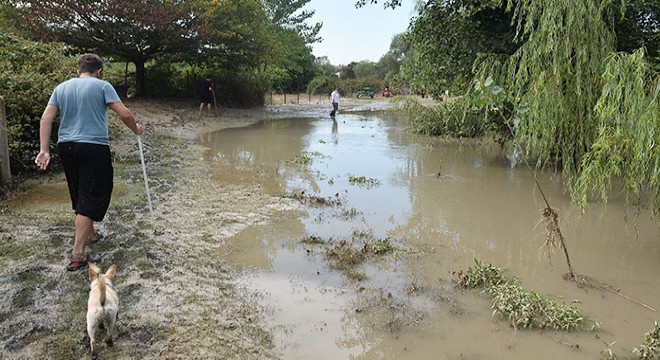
(103, 303)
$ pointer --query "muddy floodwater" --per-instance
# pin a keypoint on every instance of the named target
(442, 204)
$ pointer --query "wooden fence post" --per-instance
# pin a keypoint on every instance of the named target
(5, 172)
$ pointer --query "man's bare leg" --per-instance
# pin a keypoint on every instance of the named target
(84, 231)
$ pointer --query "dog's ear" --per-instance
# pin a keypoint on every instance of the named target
(92, 272)
(110, 274)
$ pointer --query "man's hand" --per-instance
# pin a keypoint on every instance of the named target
(42, 160)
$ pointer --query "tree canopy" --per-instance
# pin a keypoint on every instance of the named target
(446, 38)
(133, 31)
(232, 34)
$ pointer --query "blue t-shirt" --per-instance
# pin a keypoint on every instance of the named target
(82, 104)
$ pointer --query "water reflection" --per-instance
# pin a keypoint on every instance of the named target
(449, 202)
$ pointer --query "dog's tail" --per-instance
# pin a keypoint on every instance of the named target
(101, 285)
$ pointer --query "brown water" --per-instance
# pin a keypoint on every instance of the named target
(448, 203)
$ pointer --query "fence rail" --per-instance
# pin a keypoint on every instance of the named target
(5, 173)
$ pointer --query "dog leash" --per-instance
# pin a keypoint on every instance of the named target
(146, 183)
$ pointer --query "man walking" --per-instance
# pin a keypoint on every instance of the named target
(335, 101)
(84, 147)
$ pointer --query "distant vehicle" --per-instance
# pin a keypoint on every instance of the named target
(365, 92)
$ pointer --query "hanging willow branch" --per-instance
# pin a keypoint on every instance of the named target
(550, 216)
(627, 144)
(553, 235)
(575, 104)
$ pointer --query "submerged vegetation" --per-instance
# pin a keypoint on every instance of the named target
(522, 308)
(348, 255)
(650, 347)
(305, 159)
(363, 181)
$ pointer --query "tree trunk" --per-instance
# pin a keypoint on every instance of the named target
(140, 79)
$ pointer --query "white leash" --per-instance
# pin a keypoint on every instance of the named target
(146, 183)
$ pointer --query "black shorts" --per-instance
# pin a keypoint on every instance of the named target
(89, 174)
(206, 97)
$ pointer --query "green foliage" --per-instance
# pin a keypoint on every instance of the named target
(520, 307)
(363, 181)
(555, 82)
(351, 86)
(365, 69)
(446, 119)
(635, 23)
(288, 14)
(29, 71)
(295, 62)
(240, 89)
(530, 310)
(165, 80)
(238, 35)
(482, 275)
(133, 31)
(447, 37)
(650, 347)
(303, 159)
(626, 146)
(573, 104)
(323, 84)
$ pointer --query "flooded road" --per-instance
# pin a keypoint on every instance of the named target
(442, 204)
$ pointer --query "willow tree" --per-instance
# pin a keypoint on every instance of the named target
(576, 104)
(626, 148)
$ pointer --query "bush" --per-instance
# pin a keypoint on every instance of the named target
(353, 85)
(444, 120)
(240, 89)
(323, 84)
(29, 71)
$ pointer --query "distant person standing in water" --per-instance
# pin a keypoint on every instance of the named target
(206, 95)
(335, 101)
(83, 146)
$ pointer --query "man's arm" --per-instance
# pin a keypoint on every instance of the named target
(127, 117)
(45, 127)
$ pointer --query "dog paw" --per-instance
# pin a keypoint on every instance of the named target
(108, 342)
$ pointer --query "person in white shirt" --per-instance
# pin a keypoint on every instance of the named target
(335, 101)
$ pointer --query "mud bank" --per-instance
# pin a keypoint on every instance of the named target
(178, 299)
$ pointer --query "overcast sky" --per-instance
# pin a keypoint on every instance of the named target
(351, 34)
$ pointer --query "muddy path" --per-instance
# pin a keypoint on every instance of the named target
(178, 299)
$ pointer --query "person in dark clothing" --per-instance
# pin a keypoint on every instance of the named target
(206, 95)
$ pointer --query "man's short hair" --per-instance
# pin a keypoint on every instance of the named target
(89, 63)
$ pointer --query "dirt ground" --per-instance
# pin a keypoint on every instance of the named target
(179, 299)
